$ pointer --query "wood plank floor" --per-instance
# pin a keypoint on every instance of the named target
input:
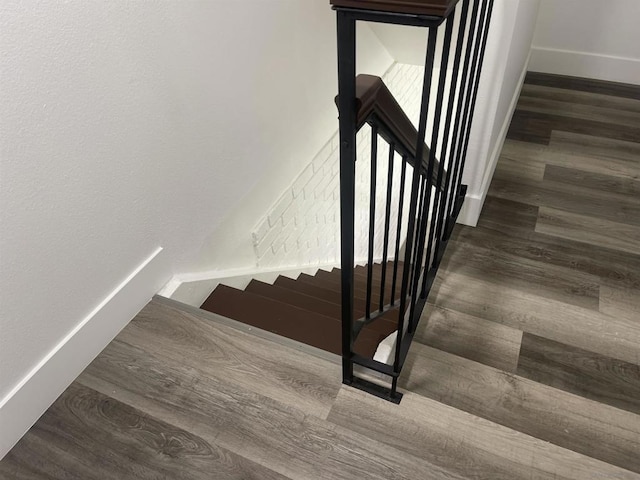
(526, 363)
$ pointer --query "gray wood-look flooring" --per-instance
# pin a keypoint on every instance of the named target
(526, 363)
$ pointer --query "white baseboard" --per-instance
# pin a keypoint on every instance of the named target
(586, 65)
(471, 210)
(473, 202)
(28, 400)
(194, 288)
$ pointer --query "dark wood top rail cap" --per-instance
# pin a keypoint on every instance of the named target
(373, 97)
(438, 8)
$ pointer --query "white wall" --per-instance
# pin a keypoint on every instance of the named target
(128, 126)
(407, 45)
(589, 38)
(314, 85)
(505, 64)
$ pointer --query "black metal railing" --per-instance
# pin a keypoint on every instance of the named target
(431, 164)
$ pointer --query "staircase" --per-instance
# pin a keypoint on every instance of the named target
(415, 178)
(307, 309)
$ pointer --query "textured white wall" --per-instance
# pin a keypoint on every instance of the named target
(131, 125)
(303, 226)
(589, 38)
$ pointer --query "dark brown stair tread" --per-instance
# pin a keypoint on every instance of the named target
(313, 303)
(308, 288)
(318, 281)
(377, 266)
(360, 278)
(384, 325)
(375, 278)
(310, 302)
(360, 274)
(293, 322)
(307, 299)
(319, 286)
(381, 325)
(335, 281)
(363, 270)
(327, 284)
(331, 280)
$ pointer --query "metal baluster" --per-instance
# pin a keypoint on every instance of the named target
(479, 62)
(424, 108)
(372, 215)
(465, 85)
(467, 116)
(387, 220)
(454, 82)
(398, 229)
(444, 63)
(416, 243)
(413, 316)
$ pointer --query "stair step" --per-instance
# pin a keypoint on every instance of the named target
(334, 279)
(383, 325)
(570, 421)
(308, 309)
(308, 288)
(377, 267)
(361, 282)
(317, 287)
(332, 289)
(286, 320)
(362, 270)
(360, 278)
(292, 297)
(331, 280)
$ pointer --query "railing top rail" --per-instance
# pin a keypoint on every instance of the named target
(438, 8)
(374, 98)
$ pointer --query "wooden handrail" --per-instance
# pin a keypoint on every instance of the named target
(374, 98)
(437, 8)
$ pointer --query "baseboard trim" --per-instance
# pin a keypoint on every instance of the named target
(194, 288)
(586, 65)
(473, 202)
(471, 210)
(28, 400)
